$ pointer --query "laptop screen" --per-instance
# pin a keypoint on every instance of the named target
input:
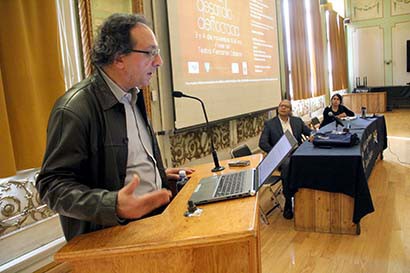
(275, 157)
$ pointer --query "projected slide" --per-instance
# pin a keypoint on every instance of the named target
(224, 51)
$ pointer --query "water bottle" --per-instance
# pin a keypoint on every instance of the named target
(183, 178)
(364, 112)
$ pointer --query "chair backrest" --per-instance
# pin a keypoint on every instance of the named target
(315, 121)
(241, 150)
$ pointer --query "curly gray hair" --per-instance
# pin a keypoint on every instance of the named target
(113, 37)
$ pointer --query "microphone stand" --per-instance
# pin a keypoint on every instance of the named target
(217, 167)
(338, 122)
(336, 119)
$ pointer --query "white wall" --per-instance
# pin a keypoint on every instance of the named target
(376, 41)
(400, 34)
(368, 48)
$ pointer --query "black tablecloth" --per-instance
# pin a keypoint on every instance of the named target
(343, 170)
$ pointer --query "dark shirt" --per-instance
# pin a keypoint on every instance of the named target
(329, 119)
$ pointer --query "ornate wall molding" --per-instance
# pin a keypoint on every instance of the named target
(366, 9)
(20, 204)
(308, 108)
(400, 7)
(249, 127)
(196, 144)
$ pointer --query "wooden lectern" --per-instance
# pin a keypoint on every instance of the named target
(225, 238)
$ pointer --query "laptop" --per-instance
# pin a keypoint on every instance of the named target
(244, 183)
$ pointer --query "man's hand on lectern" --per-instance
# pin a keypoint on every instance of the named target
(130, 206)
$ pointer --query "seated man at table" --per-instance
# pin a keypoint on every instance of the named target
(272, 131)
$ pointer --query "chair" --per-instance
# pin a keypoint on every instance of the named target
(272, 181)
(315, 122)
(243, 150)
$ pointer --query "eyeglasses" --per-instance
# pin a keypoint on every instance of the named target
(284, 105)
(152, 53)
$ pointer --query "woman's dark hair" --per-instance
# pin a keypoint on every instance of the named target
(339, 96)
(113, 37)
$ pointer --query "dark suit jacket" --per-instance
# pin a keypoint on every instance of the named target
(272, 132)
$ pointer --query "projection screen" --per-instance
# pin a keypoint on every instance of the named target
(226, 53)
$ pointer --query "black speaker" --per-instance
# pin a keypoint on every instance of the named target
(408, 55)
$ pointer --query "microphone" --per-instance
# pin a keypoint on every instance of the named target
(217, 168)
(338, 120)
(179, 94)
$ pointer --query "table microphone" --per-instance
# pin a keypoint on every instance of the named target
(217, 168)
(338, 120)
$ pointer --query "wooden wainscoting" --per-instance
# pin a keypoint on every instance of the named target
(374, 102)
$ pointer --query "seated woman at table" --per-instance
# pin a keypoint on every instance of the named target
(337, 109)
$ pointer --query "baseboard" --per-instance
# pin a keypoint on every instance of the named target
(35, 259)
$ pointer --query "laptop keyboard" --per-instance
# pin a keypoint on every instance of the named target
(230, 184)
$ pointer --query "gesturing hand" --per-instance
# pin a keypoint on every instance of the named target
(130, 206)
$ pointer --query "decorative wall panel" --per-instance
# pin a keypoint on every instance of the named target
(20, 204)
(400, 7)
(308, 108)
(368, 54)
(400, 36)
(196, 144)
(248, 127)
(366, 9)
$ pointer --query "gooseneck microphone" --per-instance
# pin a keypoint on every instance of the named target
(218, 167)
(338, 120)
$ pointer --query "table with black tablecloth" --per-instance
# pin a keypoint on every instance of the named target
(342, 169)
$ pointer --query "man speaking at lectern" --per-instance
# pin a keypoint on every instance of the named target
(102, 166)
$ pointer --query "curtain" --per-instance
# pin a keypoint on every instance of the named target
(31, 78)
(299, 64)
(337, 51)
(319, 84)
(307, 68)
(84, 15)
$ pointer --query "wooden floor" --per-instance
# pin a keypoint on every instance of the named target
(384, 243)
